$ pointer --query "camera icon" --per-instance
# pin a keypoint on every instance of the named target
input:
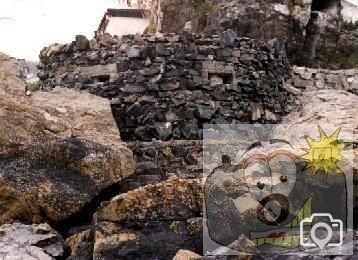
(327, 229)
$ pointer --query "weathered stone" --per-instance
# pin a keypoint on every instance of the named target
(228, 38)
(150, 71)
(186, 255)
(133, 52)
(169, 86)
(53, 49)
(173, 199)
(44, 137)
(168, 213)
(300, 83)
(18, 241)
(133, 89)
(161, 50)
(204, 113)
(322, 78)
(332, 79)
(42, 75)
(163, 130)
(122, 66)
(328, 105)
(82, 43)
(144, 133)
(81, 245)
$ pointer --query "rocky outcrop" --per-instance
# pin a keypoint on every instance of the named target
(55, 155)
(312, 30)
(152, 222)
(36, 242)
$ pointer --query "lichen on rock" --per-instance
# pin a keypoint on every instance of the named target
(56, 155)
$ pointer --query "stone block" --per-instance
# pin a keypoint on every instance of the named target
(331, 78)
(82, 43)
(301, 83)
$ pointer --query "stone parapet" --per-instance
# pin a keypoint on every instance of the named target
(316, 79)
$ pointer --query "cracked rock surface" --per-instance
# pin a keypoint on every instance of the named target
(154, 221)
(36, 242)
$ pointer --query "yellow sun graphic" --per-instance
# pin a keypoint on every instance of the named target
(324, 154)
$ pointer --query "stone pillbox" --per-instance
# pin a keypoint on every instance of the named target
(167, 87)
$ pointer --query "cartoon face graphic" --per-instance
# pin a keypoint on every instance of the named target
(268, 195)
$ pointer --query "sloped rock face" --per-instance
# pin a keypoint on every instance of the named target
(325, 107)
(152, 222)
(36, 242)
(55, 155)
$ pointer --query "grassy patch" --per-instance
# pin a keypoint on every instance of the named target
(33, 87)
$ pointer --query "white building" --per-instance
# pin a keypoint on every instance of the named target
(132, 17)
(350, 11)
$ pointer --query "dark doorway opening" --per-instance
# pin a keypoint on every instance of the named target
(321, 5)
(221, 78)
(102, 78)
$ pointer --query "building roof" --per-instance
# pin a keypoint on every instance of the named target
(137, 13)
(130, 13)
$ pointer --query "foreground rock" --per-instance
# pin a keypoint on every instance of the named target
(154, 222)
(40, 242)
(58, 150)
(186, 255)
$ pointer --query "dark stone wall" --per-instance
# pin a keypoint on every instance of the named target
(166, 88)
(163, 89)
